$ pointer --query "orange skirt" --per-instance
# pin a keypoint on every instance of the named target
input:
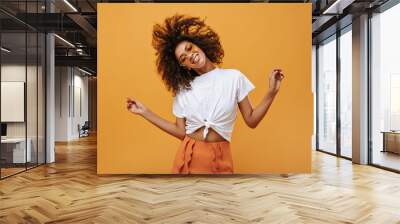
(200, 157)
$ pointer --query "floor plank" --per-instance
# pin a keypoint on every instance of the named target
(69, 191)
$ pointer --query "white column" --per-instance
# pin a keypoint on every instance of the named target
(50, 100)
(360, 90)
(50, 92)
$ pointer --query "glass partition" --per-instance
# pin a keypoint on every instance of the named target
(22, 88)
(14, 153)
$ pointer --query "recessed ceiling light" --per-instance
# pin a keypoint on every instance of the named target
(71, 6)
(84, 71)
(5, 50)
(338, 6)
(64, 40)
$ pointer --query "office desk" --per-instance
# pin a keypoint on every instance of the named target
(13, 150)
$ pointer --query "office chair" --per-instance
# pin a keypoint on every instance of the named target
(84, 130)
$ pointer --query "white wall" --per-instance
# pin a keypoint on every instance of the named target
(61, 103)
(13, 73)
(33, 127)
(79, 117)
(71, 93)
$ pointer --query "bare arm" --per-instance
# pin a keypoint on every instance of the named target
(176, 129)
(253, 117)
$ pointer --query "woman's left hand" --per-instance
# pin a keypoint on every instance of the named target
(275, 79)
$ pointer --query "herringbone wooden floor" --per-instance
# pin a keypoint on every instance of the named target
(69, 191)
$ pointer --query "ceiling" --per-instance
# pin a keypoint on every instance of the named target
(76, 22)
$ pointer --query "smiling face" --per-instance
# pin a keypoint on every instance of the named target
(190, 55)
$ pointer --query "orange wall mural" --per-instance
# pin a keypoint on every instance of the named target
(256, 37)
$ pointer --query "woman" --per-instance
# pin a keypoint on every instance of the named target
(205, 96)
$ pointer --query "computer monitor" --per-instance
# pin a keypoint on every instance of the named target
(3, 129)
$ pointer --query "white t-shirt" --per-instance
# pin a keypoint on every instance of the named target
(212, 101)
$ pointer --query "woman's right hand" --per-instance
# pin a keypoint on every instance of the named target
(136, 107)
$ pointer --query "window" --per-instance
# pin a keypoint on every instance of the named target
(327, 95)
(346, 92)
(385, 88)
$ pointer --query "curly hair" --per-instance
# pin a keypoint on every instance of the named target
(166, 37)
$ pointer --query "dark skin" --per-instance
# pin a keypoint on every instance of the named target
(192, 57)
